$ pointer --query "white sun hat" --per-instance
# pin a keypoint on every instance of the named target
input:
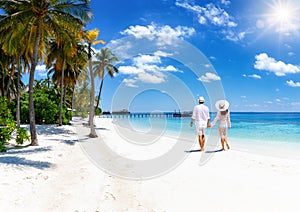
(222, 105)
(201, 99)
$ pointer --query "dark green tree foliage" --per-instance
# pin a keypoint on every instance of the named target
(46, 103)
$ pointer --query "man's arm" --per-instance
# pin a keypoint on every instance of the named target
(192, 120)
(193, 116)
(208, 123)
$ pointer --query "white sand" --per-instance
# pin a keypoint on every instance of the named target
(59, 175)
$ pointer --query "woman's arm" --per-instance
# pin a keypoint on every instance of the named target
(228, 120)
(217, 118)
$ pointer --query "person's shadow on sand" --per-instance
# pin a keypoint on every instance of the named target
(214, 151)
(209, 151)
(195, 150)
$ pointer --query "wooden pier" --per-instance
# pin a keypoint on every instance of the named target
(144, 115)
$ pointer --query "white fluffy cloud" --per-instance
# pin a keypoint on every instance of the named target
(210, 13)
(130, 82)
(151, 77)
(164, 35)
(293, 84)
(129, 70)
(162, 54)
(255, 76)
(41, 70)
(265, 63)
(146, 69)
(209, 77)
(230, 35)
(146, 59)
(225, 2)
(145, 77)
(170, 68)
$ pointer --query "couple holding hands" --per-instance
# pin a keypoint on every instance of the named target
(202, 121)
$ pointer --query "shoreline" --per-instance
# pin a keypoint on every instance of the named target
(251, 145)
(267, 148)
(59, 175)
(225, 183)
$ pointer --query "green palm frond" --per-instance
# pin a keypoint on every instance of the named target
(104, 60)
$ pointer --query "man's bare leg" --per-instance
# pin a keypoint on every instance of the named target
(202, 142)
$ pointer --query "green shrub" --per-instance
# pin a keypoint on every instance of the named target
(46, 108)
(8, 125)
(98, 111)
(22, 135)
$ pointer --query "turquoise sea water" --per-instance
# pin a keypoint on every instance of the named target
(260, 131)
(273, 127)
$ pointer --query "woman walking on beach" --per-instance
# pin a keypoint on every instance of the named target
(223, 116)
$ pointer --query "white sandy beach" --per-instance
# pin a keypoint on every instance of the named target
(60, 175)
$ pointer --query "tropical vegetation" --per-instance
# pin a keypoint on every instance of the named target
(34, 22)
(49, 32)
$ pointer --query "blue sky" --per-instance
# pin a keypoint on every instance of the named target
(248, 51)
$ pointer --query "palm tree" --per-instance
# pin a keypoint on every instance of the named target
(60, 53)
(42, 19)
(17, 52)
(76, 66)
(74, 63)
(21, 63)
(91, 39)
(104, 60)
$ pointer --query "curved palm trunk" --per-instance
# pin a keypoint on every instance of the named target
(93, 133)
(100, 91)
(61, 92)
(33, 134)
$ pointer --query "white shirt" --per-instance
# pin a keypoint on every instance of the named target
(201, 115)
(224, 120)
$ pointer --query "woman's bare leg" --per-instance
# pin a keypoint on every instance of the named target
(222, 142)
(227, 145)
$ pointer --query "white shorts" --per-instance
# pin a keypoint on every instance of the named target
(200, 130)
(201, 127)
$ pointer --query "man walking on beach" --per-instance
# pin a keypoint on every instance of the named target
(202, 121)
